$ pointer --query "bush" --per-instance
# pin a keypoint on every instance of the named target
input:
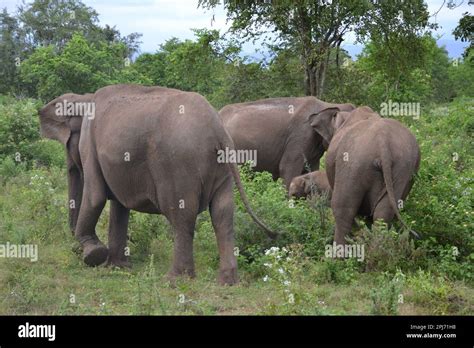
(39, 197)
(9, 168)
(436, 293)
(387, 250)
(294, 220)
(48, 153)
(143, 228)
(440, 204)
(388, 294)
(19, 129)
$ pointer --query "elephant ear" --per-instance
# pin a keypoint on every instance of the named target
(59, 132)
(308, 185)
(57, 127)
(323, 123)
(340, 118)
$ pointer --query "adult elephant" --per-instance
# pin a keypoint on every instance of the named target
(280, 132)
(370, 165)
(152, 150)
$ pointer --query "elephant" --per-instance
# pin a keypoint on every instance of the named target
(314, 183)
(280, 132)
(370, 164)
(152, 150)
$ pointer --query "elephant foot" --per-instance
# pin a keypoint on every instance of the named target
(94, 253)
(113, 262)
(228, 277)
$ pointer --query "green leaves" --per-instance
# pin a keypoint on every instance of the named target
(80, 68)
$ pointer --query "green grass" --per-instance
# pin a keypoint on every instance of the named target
(399, 276)
(47, 286)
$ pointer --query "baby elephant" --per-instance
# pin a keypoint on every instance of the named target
(314, 183)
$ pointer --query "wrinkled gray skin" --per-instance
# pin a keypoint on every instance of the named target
(171, 139)
(370, 164)
(280, 131)
(314, 183)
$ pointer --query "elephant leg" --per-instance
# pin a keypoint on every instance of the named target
(344, 218)
(183, 222)
(222, 215)
(384, 210)
(345, 203)
(75, 183)
(93, 201)
(118, 226)
(75, 196)
(291, 165)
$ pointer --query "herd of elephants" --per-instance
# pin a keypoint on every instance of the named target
(154, 150)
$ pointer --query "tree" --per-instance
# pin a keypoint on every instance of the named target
(80, 67)
(187, 65)
(11, 52)
(285, 74)
(465, 32)
(54, 22)
(314, 27)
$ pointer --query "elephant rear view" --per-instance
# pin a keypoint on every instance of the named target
(370, 164)
(154, 150)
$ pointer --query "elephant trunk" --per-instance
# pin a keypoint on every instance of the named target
(235, 173)
(386, 160)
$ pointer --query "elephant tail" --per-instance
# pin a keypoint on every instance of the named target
(386, 160)
(235, 173)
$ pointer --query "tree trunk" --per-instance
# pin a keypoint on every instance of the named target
(315, 73)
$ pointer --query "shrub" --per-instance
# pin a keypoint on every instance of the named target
(19, 129)
(386, 296)
(143, 228)
(440, 203)
(338, 271)
(387, 250)
(294, 220)
(435, 292)
(39, 197)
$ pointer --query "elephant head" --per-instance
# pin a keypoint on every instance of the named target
(300, 187)
(314, 183)
(328, 121)
(61, 120)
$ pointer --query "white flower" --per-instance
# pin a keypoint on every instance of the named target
(281, 270)
(286, 283)
(266, 264)
(272, 251)
(265, 278)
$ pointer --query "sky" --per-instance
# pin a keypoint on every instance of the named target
(159, 20)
